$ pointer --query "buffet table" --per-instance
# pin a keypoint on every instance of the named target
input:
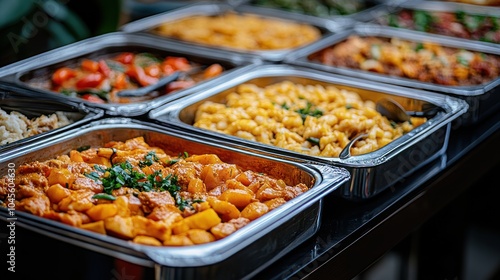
(428, 206)
(352, 236)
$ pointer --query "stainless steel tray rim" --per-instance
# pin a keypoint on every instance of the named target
(12, 72)
(143, 26)
(454, 107)
(212, 252)
(299, 57)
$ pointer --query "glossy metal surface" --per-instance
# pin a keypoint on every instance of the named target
(38, 69)
(483, 99)
(256, 245)
(146, 25)
(372, 172)
(22, 101)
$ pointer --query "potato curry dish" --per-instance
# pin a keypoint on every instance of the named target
(139, 193)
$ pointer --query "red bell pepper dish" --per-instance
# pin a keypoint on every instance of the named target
(99, 80)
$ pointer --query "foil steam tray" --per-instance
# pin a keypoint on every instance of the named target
(34, 72)
(147, 25)
(13, 99)
(483, 99)
(371, 173)
(240, 255)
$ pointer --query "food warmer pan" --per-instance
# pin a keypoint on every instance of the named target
(458, 20)
(35, 73)
(149, 25)
(363, 10)
(239, 255)
(371, 173)
(483, 99)
(13, 99)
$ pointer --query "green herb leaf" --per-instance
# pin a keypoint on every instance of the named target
(313, 140)
(149, 159)
(104, 196)
(83, 148)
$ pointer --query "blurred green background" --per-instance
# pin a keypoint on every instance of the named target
(30, 27)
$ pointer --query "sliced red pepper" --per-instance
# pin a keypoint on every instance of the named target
(104, 68)
(92, 98)
(178, 63)
(176, 85)
(212, 71)
(152, 70)
(120, 81)
(167, 69)
(90, 65)
(125, 58)
(92, 80)
(140, 76)
(63, 74)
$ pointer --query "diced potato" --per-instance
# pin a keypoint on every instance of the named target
(203, 220)
(95, 227)
(205, 159)
(122, 206)
(57, 192)
(244, 178)
(122, 227)
(275, 202)
(145, 226)
(196, 185)
(75, 156)
(102, 211)
(226, 209)
(178, 240)
(238, 197)
(180, 227)
(199, 236)
(254, 210)
(61, 176)
(235, 184)
(146, 240)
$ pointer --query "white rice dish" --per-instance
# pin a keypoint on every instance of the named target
(16, 126)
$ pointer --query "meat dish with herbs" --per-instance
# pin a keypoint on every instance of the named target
(423, 61)
(459, 24)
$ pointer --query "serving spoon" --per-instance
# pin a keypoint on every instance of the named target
(147, 89)
(393, 111)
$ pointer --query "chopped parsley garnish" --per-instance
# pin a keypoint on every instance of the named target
(83, 148)
(313, 140)
(104, 196)
(123, 175)
(149, 159)
(309, 111)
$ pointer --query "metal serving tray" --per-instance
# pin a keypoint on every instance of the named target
(482, 99)
(371, 173)
(435, 6)
(146, 25)
(19, 100)
(240, 255)
(372, 8)
(26, 73)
